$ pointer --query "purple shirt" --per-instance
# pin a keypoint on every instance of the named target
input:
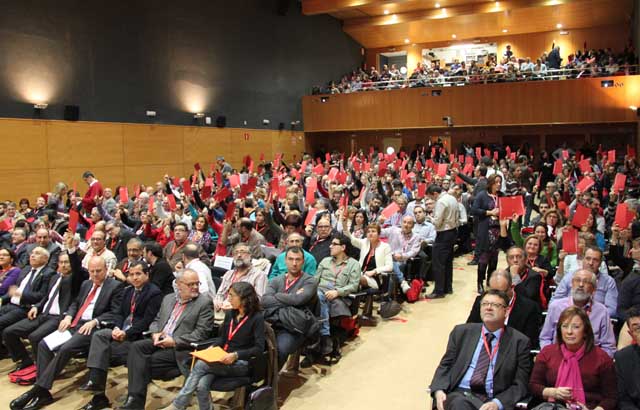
(10, 278)
(600, 322)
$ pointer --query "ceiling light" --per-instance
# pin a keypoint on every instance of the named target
(386, 12)
(406, 41)
(564, 32)
(40, 106)
(504, 30)
(437, 5)
(633, 108)
(558, 25)
(453, 36)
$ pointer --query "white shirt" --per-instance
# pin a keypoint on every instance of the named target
(16, 299)
(88, 313)
(55, 305)
(108, 256)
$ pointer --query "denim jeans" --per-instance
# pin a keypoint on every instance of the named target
(200, 379)
(324, 313)
(397, 271)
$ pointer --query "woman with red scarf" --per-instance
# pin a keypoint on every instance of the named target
(574, 373)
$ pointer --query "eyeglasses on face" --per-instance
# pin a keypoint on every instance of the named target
(493, 305)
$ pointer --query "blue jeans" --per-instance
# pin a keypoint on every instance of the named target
(397, 271)
(200, 379)
(287, 343)
(324, 313)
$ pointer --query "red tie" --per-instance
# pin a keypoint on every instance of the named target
(84, 306)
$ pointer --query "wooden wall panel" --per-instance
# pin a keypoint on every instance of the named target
(24, 144)
(41, 153)
(81, 144)
(149, 145)
(536, 102)
(24, 183)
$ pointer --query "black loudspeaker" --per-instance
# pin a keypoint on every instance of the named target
(221, 121)
(71, 112)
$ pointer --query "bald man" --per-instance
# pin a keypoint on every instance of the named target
(97, 303)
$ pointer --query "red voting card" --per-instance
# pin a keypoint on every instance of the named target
(442, 170)
(565, 154)
(206, 192)
(580, 216)
(318, 169)
(172, 202)
(487, 152)
(332, 174)
(512, 156)
(461, 158)
(234, 180)
(294, 173)
(468, 169)
(311, 216)
(585, 166)
(244, 191)
(508, 149)
(74, 217)
(611, 156)
(478, 152)
(382, 168)
(570, 241)
(510, 205)
(5, 225)
(327, 157)
(585, 184)
(557, 167)
(231, 208)
(390, 210)
(431, 164)
(282, 191)
(631, 151)
(366, 167)
(619, 183)
(341, 177)
(311, 194)
(578, 156)
(222, 194)
(418, 165)
(452, 158)
(218, 178)
(422, 189)
(124, 195)
(495, 155)
(250, 166)
(208, 182)
(197, 167)
(624, 217)
(356, 165)
(186, 188)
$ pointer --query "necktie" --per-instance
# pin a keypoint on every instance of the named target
(47, 308)
(31, 276)
(84, 306)
(482, 366)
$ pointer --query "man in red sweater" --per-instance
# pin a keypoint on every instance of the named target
(95, 189)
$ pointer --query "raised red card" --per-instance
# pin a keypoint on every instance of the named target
(197, 166)
(557, 167)
(327, 157)
(218, 178)
(5, 225)
(74, 217)
(318, 169)
(512, 156)
(332, 174)
(234, 180)
(222, 194)
(495, 155)
(124, 195)
(431, 164)
(250, 166)
(611, 156)
(422, 189)
(461, 158)
(311, 216)
(341, 178)
(510, 205)
(231, 208)
(208, 182)
(390, 210)
(418, 165)
(570, 241)
(186, 188)
(442, 170)
(631, 151)
(619, 183)
(624, 217)
(382, 168)
(585, 166)
(311, 194)
(585, 184)
(282, 191)
(580, 216)
(244, 191)
(172, 202)
(565, 154)
(478, 152)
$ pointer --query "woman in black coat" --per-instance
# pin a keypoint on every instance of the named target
(485, 209)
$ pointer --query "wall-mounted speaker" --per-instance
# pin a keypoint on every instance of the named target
(221, 121)
(71, 112)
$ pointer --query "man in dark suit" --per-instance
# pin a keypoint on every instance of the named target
(118, 239)
(44, 317)
(184, 317)
(522, 314)
(43, 240)
(161, 273)
(97, 302)
(134, 253)
(486, 366)
(627, 369)
(19, 246)
(29, 289)
(140, 304)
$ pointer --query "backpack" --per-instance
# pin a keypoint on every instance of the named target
(389, 309)
(413, 294)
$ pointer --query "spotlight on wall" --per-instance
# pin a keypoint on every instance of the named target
(633, 108)
(606, 83)
(198, 115)
(390, 150)
(150, 113)
(266, 122)
(324, 99)
(41, 106)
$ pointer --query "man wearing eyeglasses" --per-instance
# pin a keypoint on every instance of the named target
(486, 365)
(318, 246)
(185, 316)
(338, 276)
(99, 248)
(583, 285)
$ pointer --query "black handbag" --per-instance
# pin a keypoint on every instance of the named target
(261, 399)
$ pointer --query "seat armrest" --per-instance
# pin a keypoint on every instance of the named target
(203, 344)
(524, 403)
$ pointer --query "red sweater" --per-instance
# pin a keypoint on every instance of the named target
(94, 190)
(596, 368)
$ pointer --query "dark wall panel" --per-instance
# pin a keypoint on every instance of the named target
(119, 58)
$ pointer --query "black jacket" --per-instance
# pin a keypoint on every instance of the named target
(36, 291)
(161, 275)
(107, 304)
(146, 305)
(628, 375)
(69, 288)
